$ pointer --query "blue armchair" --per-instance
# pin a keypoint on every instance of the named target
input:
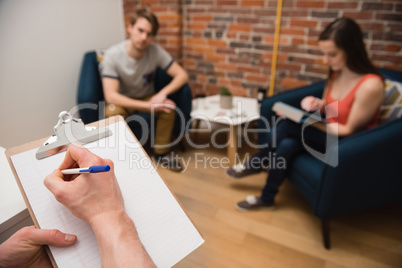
(91, 100)
(369, 169)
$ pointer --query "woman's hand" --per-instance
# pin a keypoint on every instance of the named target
(311, 103)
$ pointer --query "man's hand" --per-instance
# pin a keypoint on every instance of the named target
(158, 98)
(87, 195)
(97, 199)
(24, 248)
(160, 102)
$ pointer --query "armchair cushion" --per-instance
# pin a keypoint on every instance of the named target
(392, 107)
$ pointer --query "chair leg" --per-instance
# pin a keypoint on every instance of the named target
(326, 233)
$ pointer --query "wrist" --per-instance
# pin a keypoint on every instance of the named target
(112, 222)
(142, 105)
(118, 241)
(163, 92)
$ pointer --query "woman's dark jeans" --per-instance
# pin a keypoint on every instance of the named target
(285, 142)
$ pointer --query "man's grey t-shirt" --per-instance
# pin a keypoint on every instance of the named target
(136, 77)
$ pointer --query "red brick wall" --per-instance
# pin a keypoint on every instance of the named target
(229, 42)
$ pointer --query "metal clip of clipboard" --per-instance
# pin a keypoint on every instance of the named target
(68, 130)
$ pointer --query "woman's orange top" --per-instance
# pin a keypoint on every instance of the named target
(340, 113)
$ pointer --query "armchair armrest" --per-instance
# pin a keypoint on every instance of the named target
(292, 97)
(368, 174)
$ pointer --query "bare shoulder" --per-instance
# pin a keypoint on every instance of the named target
(371, 87)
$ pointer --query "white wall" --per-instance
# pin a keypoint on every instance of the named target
(42, 43)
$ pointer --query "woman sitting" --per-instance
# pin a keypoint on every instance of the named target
(351, 101)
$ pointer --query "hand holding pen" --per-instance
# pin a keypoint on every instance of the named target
(94, 196)
(87, 194)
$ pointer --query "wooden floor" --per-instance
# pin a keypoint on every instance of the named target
(289, 236)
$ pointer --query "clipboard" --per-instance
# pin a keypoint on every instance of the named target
(40, 144)
(100, 125)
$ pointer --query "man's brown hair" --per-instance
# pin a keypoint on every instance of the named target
(149, 16)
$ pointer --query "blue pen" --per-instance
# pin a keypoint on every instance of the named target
(93, 169)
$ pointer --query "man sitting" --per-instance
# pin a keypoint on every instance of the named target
(128, 70)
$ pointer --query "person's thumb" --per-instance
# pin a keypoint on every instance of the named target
(52, 237)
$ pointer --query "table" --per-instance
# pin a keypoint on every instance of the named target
(13, 211)
(244, 111)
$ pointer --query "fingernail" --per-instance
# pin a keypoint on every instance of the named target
(69, 238)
